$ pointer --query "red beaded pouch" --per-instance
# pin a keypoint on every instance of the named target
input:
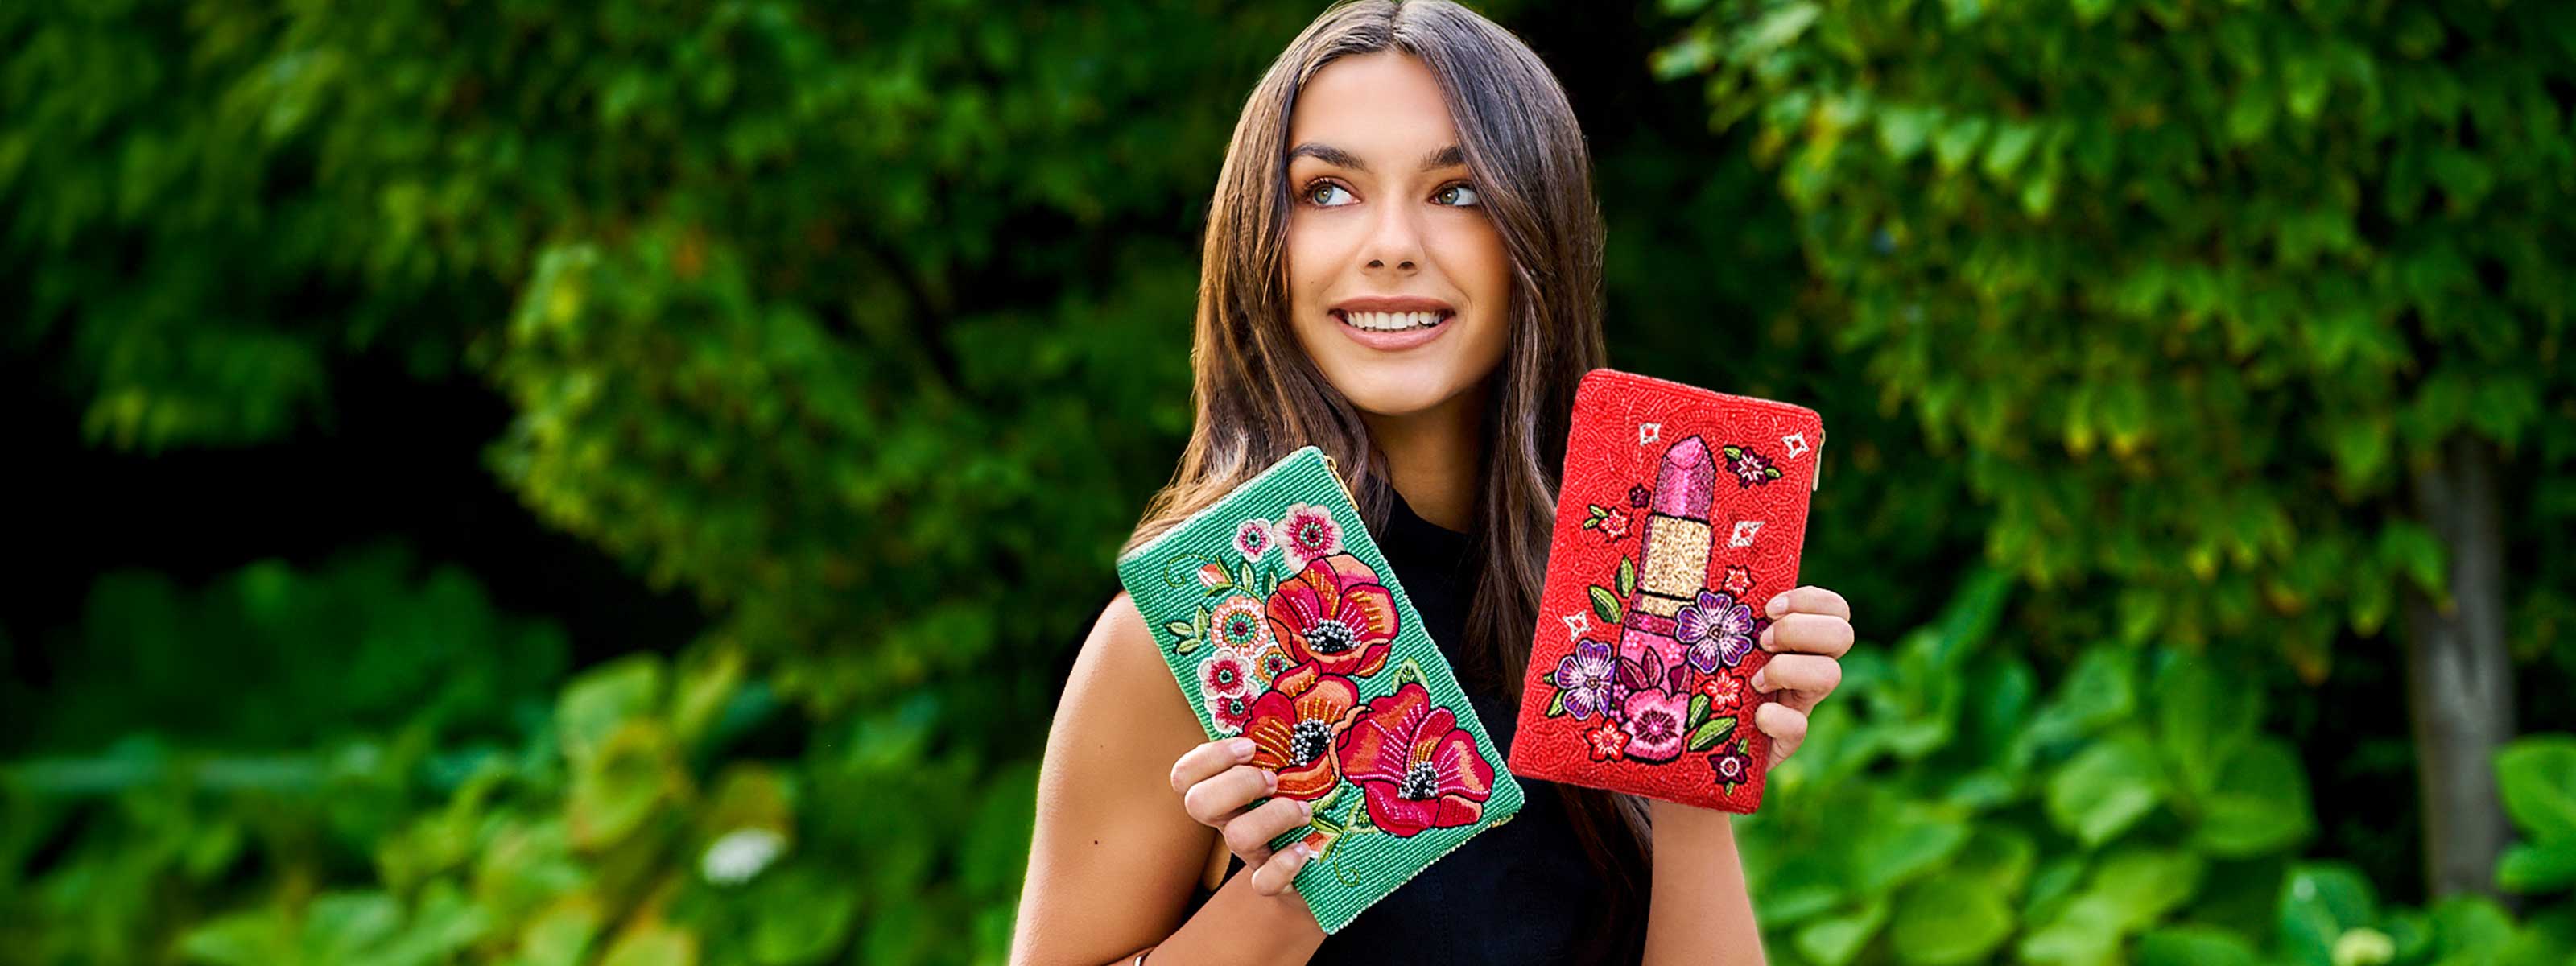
(1680, 516)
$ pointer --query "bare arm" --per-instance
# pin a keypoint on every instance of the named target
(1699, 899)
(1699, 895)
(1116, 854)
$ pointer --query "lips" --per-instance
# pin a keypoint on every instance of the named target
(1391, 323)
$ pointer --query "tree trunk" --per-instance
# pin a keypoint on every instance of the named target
(2459, 674)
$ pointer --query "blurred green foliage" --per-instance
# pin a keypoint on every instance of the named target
(2135, 811)
(2190, 290)
(865, 327)
(2192, 286)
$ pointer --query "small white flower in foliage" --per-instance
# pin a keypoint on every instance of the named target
(741, 854)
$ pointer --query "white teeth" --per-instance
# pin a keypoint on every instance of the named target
(1391, 321)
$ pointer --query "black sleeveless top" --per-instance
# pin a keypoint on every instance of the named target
(1520, 892)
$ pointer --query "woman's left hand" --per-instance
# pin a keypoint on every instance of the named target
(1810, 629)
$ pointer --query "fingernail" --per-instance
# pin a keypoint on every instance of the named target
(1270, 780)
(1779, 604)
(1761, 682)
(1306, 809)
(1766, 639)
(1242, 748)
(1303, 853)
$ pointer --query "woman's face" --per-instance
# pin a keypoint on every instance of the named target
(1399, 285)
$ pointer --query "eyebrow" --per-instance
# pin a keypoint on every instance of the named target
(1448, 157)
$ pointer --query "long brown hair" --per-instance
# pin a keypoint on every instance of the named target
(1258, 397)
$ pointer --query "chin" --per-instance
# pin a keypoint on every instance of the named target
(1398, 394)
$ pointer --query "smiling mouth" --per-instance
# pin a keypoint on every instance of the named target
(1392, 321)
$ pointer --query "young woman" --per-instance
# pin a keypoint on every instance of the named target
(1402, 266)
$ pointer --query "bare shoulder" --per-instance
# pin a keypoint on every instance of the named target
(1114, 857)
(1121, 698)
(1120, 705)
(1121, 662)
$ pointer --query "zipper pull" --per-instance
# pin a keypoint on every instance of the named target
(1816, 480)
(1336, 470)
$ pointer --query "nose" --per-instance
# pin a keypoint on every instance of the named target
(1394, 238)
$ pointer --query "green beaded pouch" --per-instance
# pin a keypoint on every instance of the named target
(1282, 622)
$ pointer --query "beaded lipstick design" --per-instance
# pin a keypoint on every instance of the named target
(1681, 512)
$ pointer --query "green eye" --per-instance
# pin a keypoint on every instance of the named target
(1315, 192)
(1457, 194)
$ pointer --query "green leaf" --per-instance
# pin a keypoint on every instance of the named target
(2465, 176)
(2474, 929)
(1556, 705)
(2251, 113)
(254, 937)
(1779, 28)
(1948, 918)
(1709, 734)
(2103, 790)
(1181, 629)
(2194, 946)
(1627, 580)
(2099, 691)
(1243, 578)
(1997, 857)
(2537, 777)
(2012, 143)
(2087, 931)
(613, 794)
(1408, 671)
(1909, 842)
(604, 699)
(805, 920)
(2538, 867)
(1957, 142)
(2144, 884)
(2260, 803)
(1605, 605)
(560, 935)
(2201, 722)
(2318, 903)
(1699, 705)
(1834, 940)
(1902, 131)
(653, 944)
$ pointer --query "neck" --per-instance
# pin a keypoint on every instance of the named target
(1433, 457)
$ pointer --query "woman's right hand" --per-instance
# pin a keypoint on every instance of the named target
(1218, 784)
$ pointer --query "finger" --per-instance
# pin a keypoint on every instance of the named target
(1808, 600)
(1275, 875)
(1219, 799)
(1809, 634)
(1205, 761)
(1787, 727)
(1249, 834)
(1806, 676)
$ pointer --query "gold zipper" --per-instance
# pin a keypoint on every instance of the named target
(1336, 470)
(1816, 479)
